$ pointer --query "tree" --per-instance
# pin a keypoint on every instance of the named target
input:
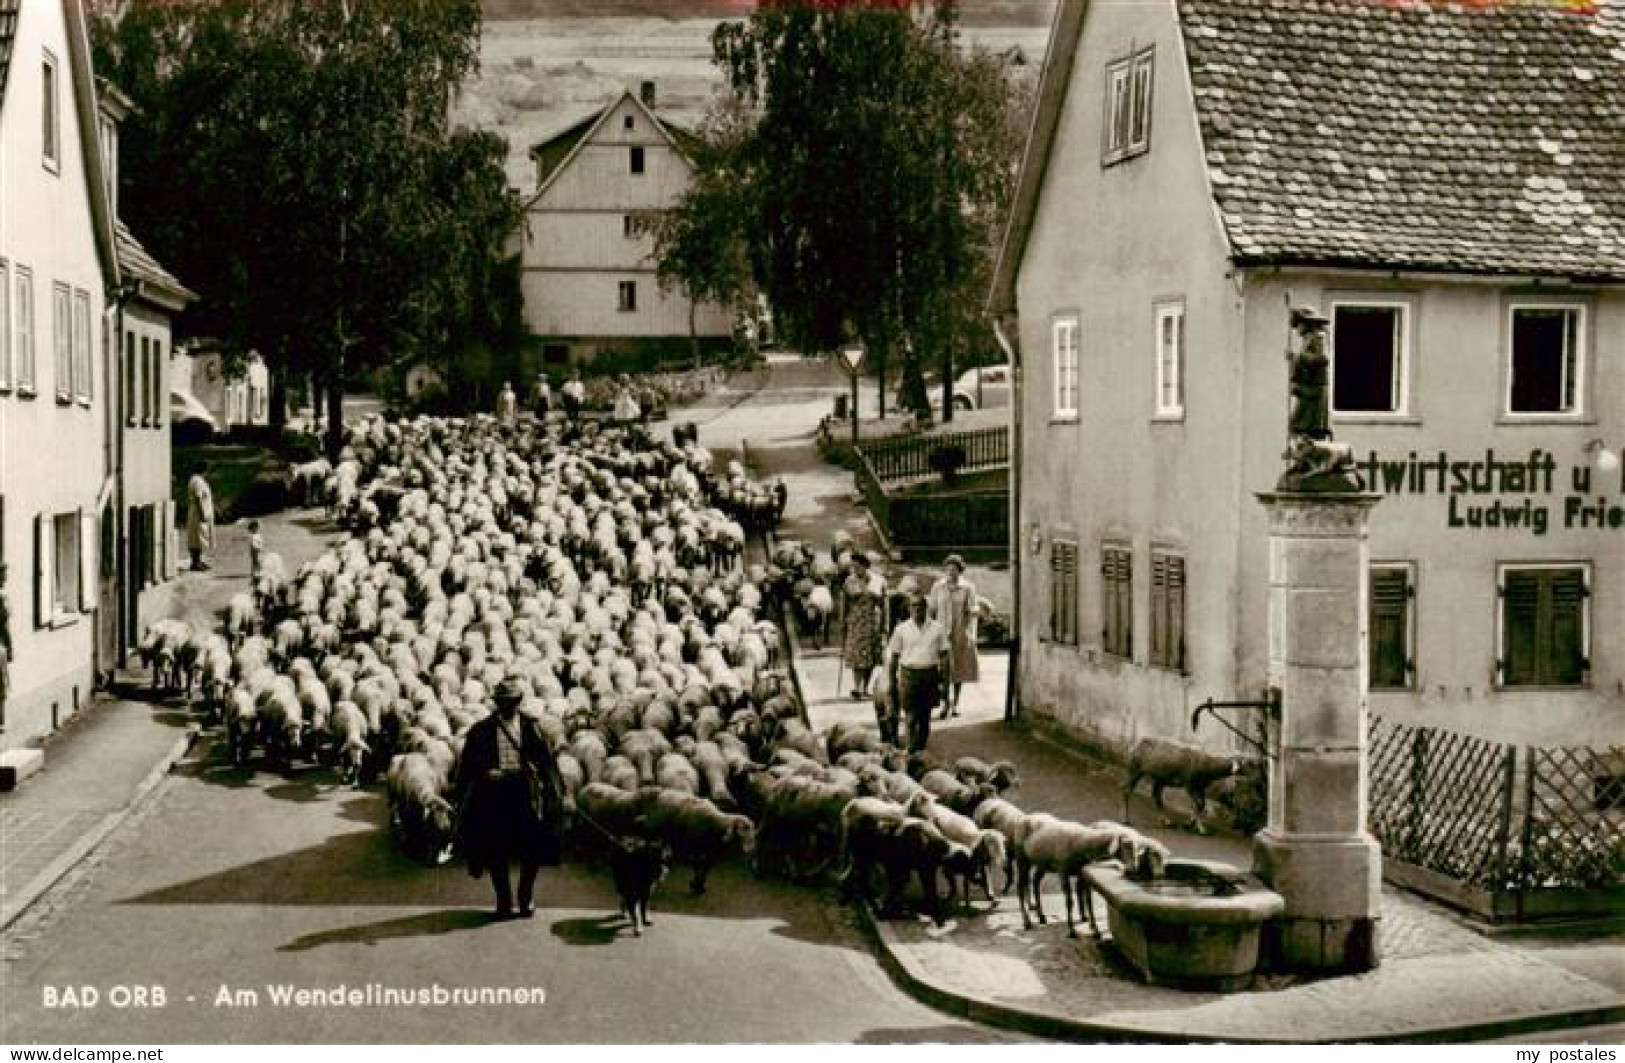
(293, 161)
(860, 189)
(702, 245)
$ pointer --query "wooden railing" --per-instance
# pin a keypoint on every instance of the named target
(910, 457)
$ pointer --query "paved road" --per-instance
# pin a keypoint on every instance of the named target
(229, 882)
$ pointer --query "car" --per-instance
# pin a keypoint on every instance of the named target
(190, 421)
(990, 391)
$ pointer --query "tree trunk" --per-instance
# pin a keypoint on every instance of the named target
(694, 332)
(335, 417)
(947, 382)
(279, 396)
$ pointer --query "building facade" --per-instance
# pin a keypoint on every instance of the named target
(588, 272)
(1199, 167)
(57, 469)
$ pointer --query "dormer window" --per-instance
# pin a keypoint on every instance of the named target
(1128, 107)
(627, 123)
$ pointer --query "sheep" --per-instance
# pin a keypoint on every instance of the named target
(1067, 849)
(1014, 825)
(955, 794)
(1001, 774)
(348, 727)
(421, 817)
(696, 829)
(1186, 767)
(242, 723)
(986, 847)
(644, 747)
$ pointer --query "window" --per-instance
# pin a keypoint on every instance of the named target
(1128, 107)
(146, 382)
(1063, 593)
(65, 564)
(637, 160)
(1171, 361)
(629, 226)
(1167, 611)
(1117, 600)
(1368, 358)
(1391, 626)
(132, 374)
(108, 131)
(1545, 625)
(1065, 338)
(51, 125)
(629, 295)
(627, 122)
(62, 336)
(5, 325)
(1546, 359)
(155, 383)
(84, 385)
(27, 369)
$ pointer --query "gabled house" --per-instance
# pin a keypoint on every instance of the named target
(57, 265)
(1444, 183)
(588, 272)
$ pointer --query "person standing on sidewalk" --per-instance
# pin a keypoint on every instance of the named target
(575, 395)
(865, 624)
(917, 661)
(507, 406)
(511, 800)
(953, 605)
(199, 517)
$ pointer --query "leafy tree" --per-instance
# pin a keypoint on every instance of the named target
(293, 161)
(867, 190)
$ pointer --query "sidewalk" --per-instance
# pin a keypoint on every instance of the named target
(107, 758)
(1438, 980)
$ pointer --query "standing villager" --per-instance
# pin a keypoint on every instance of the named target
(542, 398)
(256, 551)
(626, 409)
(865, 624)
(575, 395)
(953, 605)
(199, 517)
(917, 660)
(507, 406)
(511, 800)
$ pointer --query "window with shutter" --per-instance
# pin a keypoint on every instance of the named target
(1064, 592)
(1545, 622)
(44, 580)
(1168, 611)
(67, 565)
(1117, 601)
(1389, 629)
(89, 558)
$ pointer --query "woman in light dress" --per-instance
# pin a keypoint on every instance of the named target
(952, 601)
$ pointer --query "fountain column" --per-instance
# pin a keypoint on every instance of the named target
(1315, 851)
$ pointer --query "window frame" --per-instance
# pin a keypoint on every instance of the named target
(51, 115)
(637, 161)
(627, 297)
(84, 366)
(132, 378)
(1580, 356)
(1166, 411)
(1130, 89)
(62, 340)
(1065, 382)
(1117, 599)
(66, 577)
(27, 349)
(1403, 357)
(1408, 617)
(1063, 611)
(1163, 652)
(156, 382)
(1502, 664)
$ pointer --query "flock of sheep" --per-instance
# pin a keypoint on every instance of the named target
(607, 572)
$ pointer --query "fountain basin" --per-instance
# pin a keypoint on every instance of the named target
(1197, 925)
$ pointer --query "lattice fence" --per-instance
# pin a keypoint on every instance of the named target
(1496, 816)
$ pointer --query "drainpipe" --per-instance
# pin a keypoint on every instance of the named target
(1012, 688)
(115, 392)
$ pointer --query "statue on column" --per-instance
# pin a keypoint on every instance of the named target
(1314, 463)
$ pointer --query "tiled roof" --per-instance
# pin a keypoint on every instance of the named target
(8, 34)
(1481, 136)
(137, 264)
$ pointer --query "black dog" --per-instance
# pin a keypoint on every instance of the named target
(637, 867)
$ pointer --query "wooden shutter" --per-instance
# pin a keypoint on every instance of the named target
(1520, 628)
(44, 557)
(1117, 573)
(1159, 609)
(1389, 633)
(89, 560)
(166, 538)
(1563, 660)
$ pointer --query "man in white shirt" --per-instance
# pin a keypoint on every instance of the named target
(917, 660)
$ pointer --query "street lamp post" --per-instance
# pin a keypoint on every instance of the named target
(853, 358)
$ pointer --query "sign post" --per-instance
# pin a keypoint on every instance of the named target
(852, 357)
